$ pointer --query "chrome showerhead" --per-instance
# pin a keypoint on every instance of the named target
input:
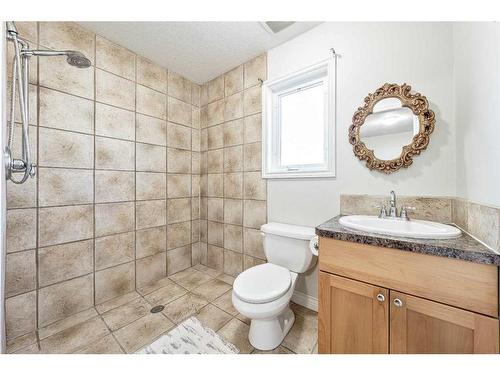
(77, 59)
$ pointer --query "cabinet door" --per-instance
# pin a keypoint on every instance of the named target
(422, 326)
(353, 316)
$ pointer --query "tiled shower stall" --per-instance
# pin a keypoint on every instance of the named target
(142, 174)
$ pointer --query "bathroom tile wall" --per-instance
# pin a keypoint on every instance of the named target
(115, 204)
(233, 194)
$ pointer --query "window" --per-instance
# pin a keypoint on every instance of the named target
(298, 124)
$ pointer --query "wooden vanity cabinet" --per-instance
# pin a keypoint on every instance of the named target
(371, 303)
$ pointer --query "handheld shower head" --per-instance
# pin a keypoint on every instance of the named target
(77, 59)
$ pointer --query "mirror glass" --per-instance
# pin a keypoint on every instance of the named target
(390, 127)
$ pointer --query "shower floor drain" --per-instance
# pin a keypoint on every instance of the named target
(157, 309)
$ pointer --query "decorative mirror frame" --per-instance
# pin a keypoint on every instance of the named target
(420, 108)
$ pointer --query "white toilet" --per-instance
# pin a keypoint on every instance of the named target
(262, 293)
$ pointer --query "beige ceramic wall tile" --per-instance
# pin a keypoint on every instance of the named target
(215, 89)
(179, 87)
(233, 185)
(151, 102)
(63, 111)
(252, 238)
(233, 159)
(215, 208)
(252, 101)
(254, 186)
(150, 185)
(113, 250)
(113, 186)
(255, 69)
(64, 324)
(460, 212)
(114, 281)
(178, 210)
(254, 214)
(63, 262)
(114, 58)
(114, 122)
(253, 128)
(61, 300)
(151, 130)
(56, 73)
(233, 238)
(215, 233)
(65, 149)
(77, 222)
(21, 196)
(150, 158)
(196, 94)
(178, 259)
(233, 263)
(151, 241)
(151, 74)
(151, 269)
(195, 117)
(179, 161)
(28, 30)
(33, 99)
(17, 238)
(179, 112)
(111, 218)
(233, 81)
(179, 185)
(20, 271)
(178, 136)
(150, 214)
(249, 262)
(114, 154)
(114, 90)
(178, 234)
(67, 36)
(215, 113)
(215, 161)
(233, 211)
(252, 158)
(215, 185)
(233, 107)
(64, 186)
(20, 315)
(233, 133)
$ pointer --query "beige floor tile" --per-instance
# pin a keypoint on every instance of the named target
(303, 335)
(212, 289)
(243, 318)
(225, 303)
(31, 349)
(149, 288)
(74, 337)
(301, 310)
(213, 317)
(70, 321)
(279, 350)
(211, 271)
(226, 278)
(21, 342)
(182, 308)
(165, 295)
(236, 332)
(190, 278)
(115, 302)
(142, 332)
(125, 314)
(105, 345)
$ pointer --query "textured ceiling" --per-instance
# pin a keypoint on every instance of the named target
(199, 51)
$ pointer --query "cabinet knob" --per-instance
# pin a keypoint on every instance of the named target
(398, 302)
(380, 297)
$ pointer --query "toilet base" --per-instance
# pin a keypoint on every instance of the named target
(267, 334)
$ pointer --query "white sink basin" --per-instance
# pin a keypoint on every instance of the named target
(400, 228)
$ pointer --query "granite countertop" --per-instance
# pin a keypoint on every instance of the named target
(465, 247)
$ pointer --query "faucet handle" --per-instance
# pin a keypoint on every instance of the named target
(383, 211)
(404, 212)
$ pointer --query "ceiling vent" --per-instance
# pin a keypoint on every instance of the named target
(274, 27)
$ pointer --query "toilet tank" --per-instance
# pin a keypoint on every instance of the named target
(287, 245)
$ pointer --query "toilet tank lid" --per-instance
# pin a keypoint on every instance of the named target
(288, 230)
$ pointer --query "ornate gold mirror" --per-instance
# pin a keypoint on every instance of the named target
(391, 127)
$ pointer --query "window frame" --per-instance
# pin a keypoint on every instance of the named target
(322, 72)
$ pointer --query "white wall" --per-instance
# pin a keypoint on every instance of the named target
(477, 100)
(419, 54)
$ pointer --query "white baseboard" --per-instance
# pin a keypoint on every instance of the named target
(305, 300)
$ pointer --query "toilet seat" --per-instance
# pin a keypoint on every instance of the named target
(263, 283)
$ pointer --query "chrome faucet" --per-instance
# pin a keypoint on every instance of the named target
(393, 211)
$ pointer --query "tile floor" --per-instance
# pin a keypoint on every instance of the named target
(125, 324)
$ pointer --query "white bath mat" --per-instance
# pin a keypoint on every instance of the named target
(190, 337)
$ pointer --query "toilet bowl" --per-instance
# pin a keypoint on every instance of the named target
(263, 293)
